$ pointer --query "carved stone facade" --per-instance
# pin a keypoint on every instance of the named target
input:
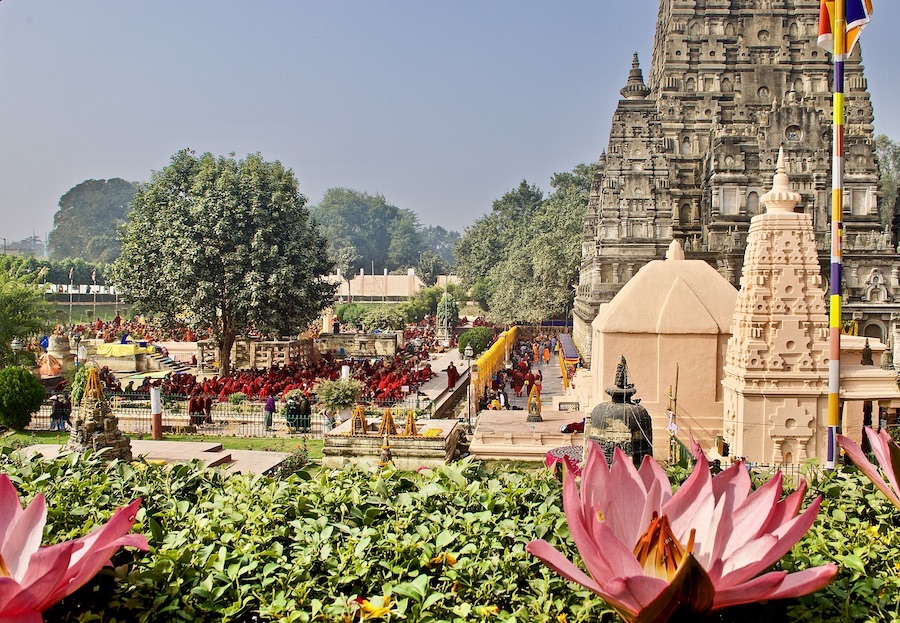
(776, 364)
(690, 154)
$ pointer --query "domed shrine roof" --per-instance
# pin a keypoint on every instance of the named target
(671, 296)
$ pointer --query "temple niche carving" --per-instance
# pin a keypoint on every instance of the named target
(691, 152)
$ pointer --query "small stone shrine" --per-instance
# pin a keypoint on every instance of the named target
(622, 423)
(96, 428)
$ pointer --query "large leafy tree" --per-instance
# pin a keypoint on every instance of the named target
(487, 242)
(226, 243)
(360, 220)
(523, 258)
(441, 241)
(383, 235)
(88, 217)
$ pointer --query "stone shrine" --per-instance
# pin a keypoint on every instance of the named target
(732, 81)
(96, 427)
(776, 365)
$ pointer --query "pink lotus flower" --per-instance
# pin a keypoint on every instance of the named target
(654, 556)
(888, 455)
(33, 578)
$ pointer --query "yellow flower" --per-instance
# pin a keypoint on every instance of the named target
(442, 558)
(562, 618)
(372, 611)
(487, 610)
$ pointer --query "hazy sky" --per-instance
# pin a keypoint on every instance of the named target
(440, 106)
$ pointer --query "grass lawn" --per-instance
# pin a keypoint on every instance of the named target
(271, 444)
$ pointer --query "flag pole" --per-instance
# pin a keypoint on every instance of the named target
(839, 37)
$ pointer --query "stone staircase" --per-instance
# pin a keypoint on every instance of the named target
(167, 363)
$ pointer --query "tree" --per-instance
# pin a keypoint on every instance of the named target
(21, 394)
(447, 311)
(441, 241)
(352, 314)
(487, 242)
(384, 236)
(522, 259)
(89, 214)
(536, 283)
(422, 303)
(430, 266)
(353, 218)
(228, 244)
(406, 241)
(346, 259)
(888, 153)
(24, 313)
(384, 318)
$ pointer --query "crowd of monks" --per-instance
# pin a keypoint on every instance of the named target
(384, 380)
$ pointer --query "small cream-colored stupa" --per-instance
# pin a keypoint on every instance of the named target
(776, 372)
(670, 320)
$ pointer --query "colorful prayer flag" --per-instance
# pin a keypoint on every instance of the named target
(857, 14)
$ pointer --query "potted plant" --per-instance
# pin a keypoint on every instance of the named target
(339, 396)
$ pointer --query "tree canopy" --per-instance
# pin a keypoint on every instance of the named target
(522, 259)
(383, 235)
(89, 214)
(888, 153)
(24, 313)
(226, 244)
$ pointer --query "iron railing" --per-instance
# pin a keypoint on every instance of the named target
(245, 419)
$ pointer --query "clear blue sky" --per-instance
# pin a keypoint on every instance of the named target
(440, 106)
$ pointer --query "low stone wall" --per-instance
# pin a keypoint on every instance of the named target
(359, 344)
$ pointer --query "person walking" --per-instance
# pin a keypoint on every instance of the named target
(452, 376)
(270, 411)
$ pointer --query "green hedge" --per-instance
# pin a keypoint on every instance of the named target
(445, 544)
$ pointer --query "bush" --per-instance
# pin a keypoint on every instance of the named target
(446, 544)
(384, 318)
(352, 314)
(237, 398)
(21, 395)
(479, 338)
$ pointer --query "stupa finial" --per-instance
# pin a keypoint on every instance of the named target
(782, 198)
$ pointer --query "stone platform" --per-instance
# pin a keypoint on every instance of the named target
(435, 445)
(506, 435)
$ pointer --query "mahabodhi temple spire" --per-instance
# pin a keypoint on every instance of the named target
(691, 152)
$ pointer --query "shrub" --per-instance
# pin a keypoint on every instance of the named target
(479, 338)
(446, 544)
(237, 398)
(352, 314)
(384, 318)
(21, 395)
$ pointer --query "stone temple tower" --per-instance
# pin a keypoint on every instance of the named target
(776, 367)
(691, 150)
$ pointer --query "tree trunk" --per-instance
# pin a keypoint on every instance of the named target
(225, 347)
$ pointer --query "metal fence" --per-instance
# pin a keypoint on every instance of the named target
(246, 419)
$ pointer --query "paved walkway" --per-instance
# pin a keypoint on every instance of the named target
(507, 434)
(210, 454)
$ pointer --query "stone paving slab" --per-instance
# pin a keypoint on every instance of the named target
(211, 454)
(255, 461)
